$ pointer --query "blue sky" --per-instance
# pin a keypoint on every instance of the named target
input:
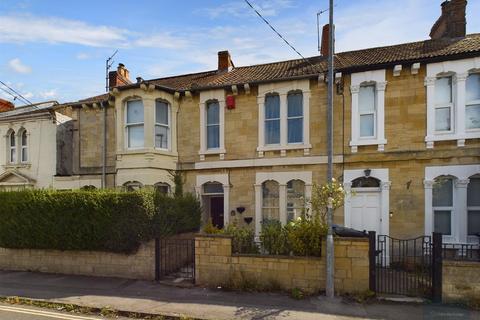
(52, 49)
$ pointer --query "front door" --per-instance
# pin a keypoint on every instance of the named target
(216, 211)
(365, 214)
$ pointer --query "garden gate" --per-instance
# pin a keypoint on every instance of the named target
(175, 259)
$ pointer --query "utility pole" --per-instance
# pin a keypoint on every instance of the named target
(330, 290)
(108, 65)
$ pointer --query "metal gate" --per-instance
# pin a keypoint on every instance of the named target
(409, 267)
(175, 259)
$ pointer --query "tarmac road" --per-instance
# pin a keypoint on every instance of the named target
(13, 312)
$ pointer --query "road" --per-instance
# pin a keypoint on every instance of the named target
(13, 312)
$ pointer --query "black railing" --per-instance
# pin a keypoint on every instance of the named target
(461, 251)
(175, 258)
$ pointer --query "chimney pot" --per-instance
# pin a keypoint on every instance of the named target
(6, 105)
(452, 22)
(324, 46)
(119, 77)
(225, 62)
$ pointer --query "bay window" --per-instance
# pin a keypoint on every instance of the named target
(472, 103)
(135, 124)
(443, 104)
(473, 206)
(162, 125)
(366, 108)
(213, 124)
(272, 119)
(295, 117)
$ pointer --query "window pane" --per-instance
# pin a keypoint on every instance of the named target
(442, 221)
(295, 130)
(12, 139)
(161, 137)
(473, 87)
(272, 107)
(443, 193)
(213, 115)
(135, 111)
(366, 182)
(472, 116)
(367, 125)
(272, 131)
(295, 199)
(135, 136)
(270, 191)
(13, 155)
(212, 187)
(442, 119)
(366, 99)
(24, 154)
(162, 188)
(161, 112)
(473, 192)
(473, 222)
(24, 138)
(443, 90)
(213, 137)
(295, 104)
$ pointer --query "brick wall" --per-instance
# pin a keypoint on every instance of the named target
(140, 265)
(216, 265)
(461, 281)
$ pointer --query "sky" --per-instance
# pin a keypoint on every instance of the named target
(56, 50)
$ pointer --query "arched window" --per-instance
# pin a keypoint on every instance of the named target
(213, 124)
(270, 200)
(442, 203)
(162, 125)
(472, 102)
(161, 187)
(24, 146)
(272, 119)
(366, 182)
(367, 110)
(473, 205)
(134, 124)
(295, 199)
(443, 103)
(132, 186)
(12, 148)
(295, 117)
(210, 188)
(88, 188)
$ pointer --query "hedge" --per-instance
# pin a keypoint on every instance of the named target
(92, 220)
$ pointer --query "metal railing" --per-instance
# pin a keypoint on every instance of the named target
(461, 251)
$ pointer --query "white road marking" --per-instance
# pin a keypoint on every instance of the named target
(44, 313)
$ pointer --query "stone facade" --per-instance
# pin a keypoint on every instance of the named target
(215, 265)
(140, 265)
(461, 281)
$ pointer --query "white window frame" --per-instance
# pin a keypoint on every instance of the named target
(471, 103)
(446, 208)
(450, 106)
(206, 96)
(296, 117)
(22, 146)
(282, 178)
(12, 150)
(283, 89)
(168, 126)
(263, 199)
(360, 114)
(472, 238)
(376, 77)
(304, 206)
(127, 125)
(459, 69)
(461, 174)
(208, 125)
(279, 119)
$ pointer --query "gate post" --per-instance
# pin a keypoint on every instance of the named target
(437, 267)
(157, 259)
(371, 257)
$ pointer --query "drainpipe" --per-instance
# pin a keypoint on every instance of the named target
(104, 146)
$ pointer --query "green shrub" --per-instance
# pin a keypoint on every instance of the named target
(92, 220)
(243, 239)
(304, 236)
(274, 238)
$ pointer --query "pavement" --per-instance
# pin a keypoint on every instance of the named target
(202, 303)
(11, 312)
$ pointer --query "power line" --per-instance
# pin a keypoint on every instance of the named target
(281, 37)
(16, 92)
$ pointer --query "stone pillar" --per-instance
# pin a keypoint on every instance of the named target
(226, 204)
(459, 107)
(203, 137)
(149, 123)
(460, 214)
(430, 84)
(261, 124)
(283, 122)
(428, 185)
(258, 209)
(381, 114)
(355, 120)
(282, 202)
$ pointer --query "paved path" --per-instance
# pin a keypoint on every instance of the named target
(150, 297)
(11, 312)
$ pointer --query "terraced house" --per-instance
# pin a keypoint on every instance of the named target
(251, 141)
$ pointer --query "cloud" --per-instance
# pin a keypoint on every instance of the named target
(48, 94)
(18, 66)
(161, 40)
(241, 9)
(82, 56)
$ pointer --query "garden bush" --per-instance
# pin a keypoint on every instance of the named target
(91, 220)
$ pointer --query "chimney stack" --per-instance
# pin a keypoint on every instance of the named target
(225, 62)
(119, 78)
(325, 40)
(452, 22)
(6, 105)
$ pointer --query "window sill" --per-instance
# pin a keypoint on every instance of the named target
(17, 165)
(146, 150)
(283, 149)
(471, 134)
(218, 151)
(354, 144)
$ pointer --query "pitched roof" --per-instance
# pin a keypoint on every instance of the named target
(31, 108)
(344, 61)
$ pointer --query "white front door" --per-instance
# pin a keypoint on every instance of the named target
(366, 210)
